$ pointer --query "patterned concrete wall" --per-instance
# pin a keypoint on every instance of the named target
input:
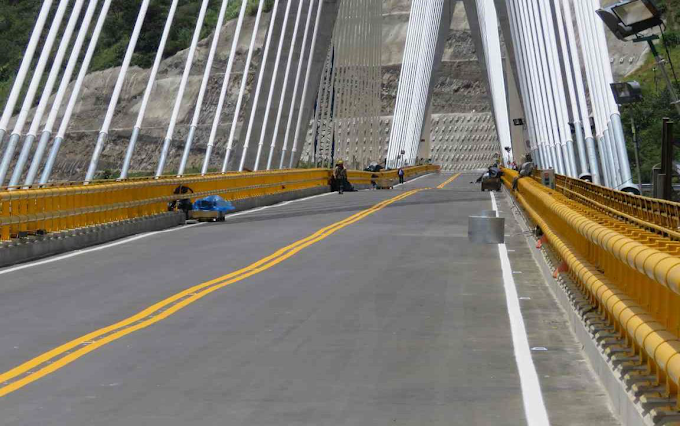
(465, 141)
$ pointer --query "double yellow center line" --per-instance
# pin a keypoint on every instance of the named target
(67, 353)
(448, 181)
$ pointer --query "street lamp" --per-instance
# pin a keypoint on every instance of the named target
(628, 92)
(629, 18)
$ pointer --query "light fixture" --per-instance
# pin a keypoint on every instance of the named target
(628, 92)
(630, 17)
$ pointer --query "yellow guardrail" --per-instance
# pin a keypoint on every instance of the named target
(630, 273)
(659, 216)
(72, 206)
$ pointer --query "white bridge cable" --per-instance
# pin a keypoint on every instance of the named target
(404, 86)
(537, 53)
(310, 62)
(619, 140)
(32, 89)
(149, 88)
(203, 88)
(61, 92)
(182, 87)
(272, 85)
(488, 23)
(224, 89)
(55, 70)
(284, 87)
(423, 83)
(568, 22)
(104, 131)
(573, 100)
(429, 35)
(75, 93)
(258, 86)
(604, 91)
(535, 84)
(419, 77)
(244, 82)
(407, 81)
(23, 71)
(532, 96)
(557, 77)
(551, 90)
(296, 85)
(527, 90)
(595, 99)
(536, 68)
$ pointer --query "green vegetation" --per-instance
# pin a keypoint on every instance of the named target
(18, 17)
(649, 113)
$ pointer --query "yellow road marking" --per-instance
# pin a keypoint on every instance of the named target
(448, 181)
(67, 353)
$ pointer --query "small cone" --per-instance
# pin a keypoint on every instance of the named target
(563, 267)
(540, 242)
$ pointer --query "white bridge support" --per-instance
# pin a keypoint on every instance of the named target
(414, 82)
(555, 91)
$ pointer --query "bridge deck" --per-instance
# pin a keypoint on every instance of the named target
(392, 319)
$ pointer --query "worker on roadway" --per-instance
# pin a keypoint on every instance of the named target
(526, 170)
(340, 176)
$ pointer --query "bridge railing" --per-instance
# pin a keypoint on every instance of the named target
(656, 215)
(72, 206)
(626, 268)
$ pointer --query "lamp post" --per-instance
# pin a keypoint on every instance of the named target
(629, 18)
(636, 141)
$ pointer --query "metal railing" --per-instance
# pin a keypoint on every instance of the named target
(71, 206)
(659, 216)
(626, 267)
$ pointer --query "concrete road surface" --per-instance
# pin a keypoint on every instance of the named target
(390, 318)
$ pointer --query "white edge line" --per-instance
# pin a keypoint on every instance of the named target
(140, 236)
(534, 406)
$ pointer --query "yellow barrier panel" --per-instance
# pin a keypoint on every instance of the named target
(630, 274)
(70, 206)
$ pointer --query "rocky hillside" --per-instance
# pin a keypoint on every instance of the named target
(85, 124)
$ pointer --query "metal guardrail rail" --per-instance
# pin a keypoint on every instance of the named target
(626, 262)
(659, 216)
(71, 206)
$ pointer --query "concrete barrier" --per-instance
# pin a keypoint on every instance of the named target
(36, 247)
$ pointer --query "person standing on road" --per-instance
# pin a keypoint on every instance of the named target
(340, 176)
(401, 175)
(526, 170)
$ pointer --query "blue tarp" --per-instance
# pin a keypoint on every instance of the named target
(214, 203)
